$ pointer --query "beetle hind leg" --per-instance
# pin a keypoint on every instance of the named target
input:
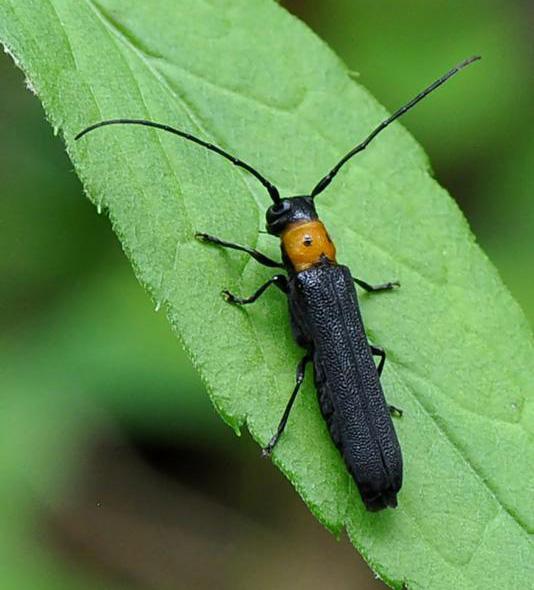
(299, 378)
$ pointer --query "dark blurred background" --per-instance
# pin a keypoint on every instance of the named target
(115, 470)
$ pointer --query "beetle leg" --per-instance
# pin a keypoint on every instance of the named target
(373, 288)
(258, 256)
(301, 369)
(394, 411)
(279, 280)
(379, 351)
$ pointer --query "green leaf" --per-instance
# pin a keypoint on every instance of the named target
(246, 75)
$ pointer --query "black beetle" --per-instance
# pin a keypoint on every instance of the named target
(326, 322)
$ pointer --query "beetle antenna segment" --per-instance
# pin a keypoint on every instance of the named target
(325, 181)
(272, 190)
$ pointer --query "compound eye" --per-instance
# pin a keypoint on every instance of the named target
(277, 210)
(281, 207)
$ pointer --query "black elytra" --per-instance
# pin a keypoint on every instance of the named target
(326, 321)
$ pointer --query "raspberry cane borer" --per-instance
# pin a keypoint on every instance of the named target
(326, 321)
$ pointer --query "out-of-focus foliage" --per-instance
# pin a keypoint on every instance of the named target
(57, 399)
(508, 226)
(396, 47)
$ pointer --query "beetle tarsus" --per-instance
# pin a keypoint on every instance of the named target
(394, 411)
(266, 451)
(229, 297)
(376, 288)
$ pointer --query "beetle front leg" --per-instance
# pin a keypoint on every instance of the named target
(258, 256)
(374, 288)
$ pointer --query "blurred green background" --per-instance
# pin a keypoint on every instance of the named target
(115, 470)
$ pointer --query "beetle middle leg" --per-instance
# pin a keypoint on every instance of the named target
(258, 256)
(301, 369)
(374, 288)
(379, 351)
(279, 280)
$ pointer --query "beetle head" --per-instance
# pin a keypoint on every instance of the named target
(289, 210)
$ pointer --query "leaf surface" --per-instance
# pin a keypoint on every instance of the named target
(251, 78)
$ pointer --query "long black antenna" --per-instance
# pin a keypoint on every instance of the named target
(273, 191)
(326, 180)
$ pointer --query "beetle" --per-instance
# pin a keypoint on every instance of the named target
(326, 320)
